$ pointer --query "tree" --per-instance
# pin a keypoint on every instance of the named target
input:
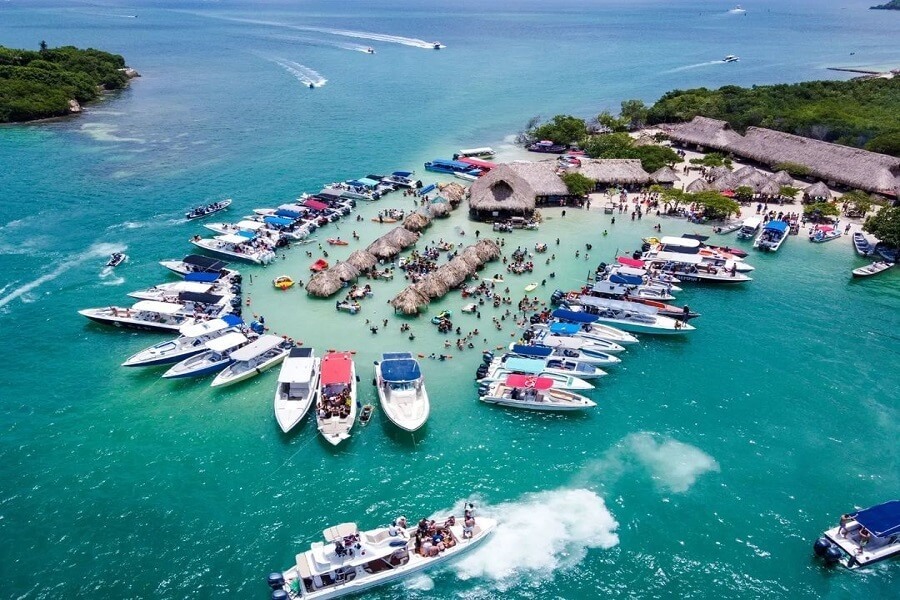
(562, 129)
(614, 124)
(715, 205)
(634, 112)
(43, 46)
(885, 225)
(817, 210)
(671, 197)
(609, 145)
(654, 157)
(885, 143)
(792, 168)
(787, 191)
(713, 159)
(578, 184)
(857, 202)
(744, 193)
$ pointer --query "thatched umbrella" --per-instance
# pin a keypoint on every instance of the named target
(409, 301)
(783, 178)
(432, 287)
(401, 237)
(664, 175)
(817, 190)
(382, 248)
(362, 260)
(754, 179)
(439, 210)
(745, 172)
(770, 188)
(324, 284)
(454, 193)
(698, 185)
(725, 182)
(487, 250)
(345, 271)
(470, 255)
(717, 172)
(417, 222)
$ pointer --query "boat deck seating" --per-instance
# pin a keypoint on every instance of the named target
(392, 562)
(377, 538)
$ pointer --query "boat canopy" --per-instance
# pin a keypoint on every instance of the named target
(278, 221)
(523, 381)
(297, 368)
(625, 279)
(882, 520)
(337, 533)
(198, 329)
(226, 342)
(456, 165)
(330, 194)
(288, 213)
(232, 239)
(250, 225)
(336, 368)
(427, 189)
(525, 365)
(315, 204)
(292, 206)
(752, 222)
(677, 257)
(249, 235)
(204, 262)
(570, 315)
(482, 151)
(199, 297)
(779, 226)
(607, 303)
(257, 347)
(406, 174)
(669, 240)
(532, 350)
(396, 355)
(630, 271)
(364, 181)
(187, 286)
(484, 165)
(163, 308)
(202, 277)
(630, 262)
(608, 287)
(400, 369)
(571, 343)
(695, 236)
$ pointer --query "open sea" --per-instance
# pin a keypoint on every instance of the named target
(707, 470)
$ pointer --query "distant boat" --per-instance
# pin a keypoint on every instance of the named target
(862, 538)
(370, 50)
(738, 9)
(731, 58)
(203, 211)
(401, 390)
(116, 259)
(437, 45)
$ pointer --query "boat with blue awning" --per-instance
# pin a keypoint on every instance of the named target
(585, 355)
(440, 165)
(499, 371)
(630, 316)
(862, 537)
(555, 365)
(401, 390)
(588, 327)
(194, 263)
(192, 341)
(772, 236)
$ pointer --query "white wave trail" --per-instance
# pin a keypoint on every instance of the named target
(320, 43)
(303, 73)
(673, 464)
(95, 251)
(539, 535)
(695, 66)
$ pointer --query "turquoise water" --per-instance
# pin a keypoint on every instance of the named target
(707, 470)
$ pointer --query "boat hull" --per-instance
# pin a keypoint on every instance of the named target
(225, 378)
(124, 323)
(539, 406)
(208, 369)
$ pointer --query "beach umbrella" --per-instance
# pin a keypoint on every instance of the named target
(454, 192)
(439, 210)
(818, 190)
(362, 260)
(725, 182)
(664, 175)
(345, 271)
(432, 287)
(728, 193)
(754, 179)
(698, 185)
(409, 301)
(324, 284)
(717, 172)
(382, 248)
(783, 178)
(416, 222)
(770, 188)
(745, 172)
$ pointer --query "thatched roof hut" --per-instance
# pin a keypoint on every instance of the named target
(504, 191)
(753, 179)
(432, 287)
(324, 284)
(345, 271)
(698, 185)
(454, 192)
(817, 190)
(439, 210)
(382, 248)
(409, 301)
(783, 178)
(466, 265)
(402, 237)
(460, 268)
(770, 188)
(487, 250)
(470, 255)
(725, 182)
(450, 275)
(362, 260)
(665, 175)
(717, 172)
(745, 172)
(621, 171)
(417, 221)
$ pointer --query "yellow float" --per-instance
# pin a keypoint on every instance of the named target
(283, 282)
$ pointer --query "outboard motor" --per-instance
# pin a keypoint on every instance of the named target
(235, 302)
(280, 595)
(483, 389)
(528, 334)
(832, 555)
(821, 546)
(236, 288)
(602, 267)
(237, 310)
(276, 581)
(645, 247)
(481, 372)
(636, 255)
(237, 278)
(534, 320)
(487, 357)
(257, 327)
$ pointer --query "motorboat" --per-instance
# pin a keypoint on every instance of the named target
(169, 292)
(468, 175)
(862, 246)
(370, 50)
(401, 390)
(863, 537)
(548, 338)
(259, 355)
(320, 265)
(348, 306)
(440, 165)
(194, 263)
(482, 152)
(208, 209)
(738, 9)
(531, 367)
(350, 561)
(146, 315)
(749, 228)
(824, 233)
(336, 409)
(533, 393)
(593, 357)
(437, 45)
(116, 259)
(298, 384)
(600, 333)
(616, 287)
(403, 179)
(337, 241)
(728, 227)
(694, 268)
(873, 269)
(667, 310)
(237, 246)
(629, 316)
(216, 356)
(546, 147)
(192, 341)
(558, 365)
(772, 236)
(730, 58)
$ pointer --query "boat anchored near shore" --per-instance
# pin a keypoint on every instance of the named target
(401, 390)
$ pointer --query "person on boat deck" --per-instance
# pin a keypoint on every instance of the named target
(397, 530)
(842, 525)
(864, 538)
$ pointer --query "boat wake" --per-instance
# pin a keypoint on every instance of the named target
(320, 43)
(695, 66)
(378, 37)
(539, 535)
(302, 73)
(101, 250)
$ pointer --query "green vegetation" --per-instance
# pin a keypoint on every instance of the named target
(862, 113)
(890, 5)
(578, 184)
(40, 84)
(793, 169)
(787, 191)
(744, 193)
(817, 210)
(713, 159)
(885, 225)
(622, 145)
(715, 205)
(561, 129)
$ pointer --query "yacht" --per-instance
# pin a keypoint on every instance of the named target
(254, 358)
(772, 236)
(558, 366)
(603, 359)
(599, 334)
(695, 268)
(863, 537)
(237, 246)
(639, 318)
(336, 409)
(194, 263)
(146, 315)
(298, 384)
(533, 393)
(192, 341)
(169, 292)
(534, 368)
(350, 561)
(401, 390)
(215, 357)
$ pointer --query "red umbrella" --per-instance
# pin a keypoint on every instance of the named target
(728, 193)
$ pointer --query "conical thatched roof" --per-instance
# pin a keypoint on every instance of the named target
(614, 170)
(818, 190)
(717, 172)
(417, 221)
(382, 248)
(754, 179)
(770, 188)
(362, 260)
(345, 271)
(783, 178)
(698, 185)
(399, 236)
(725, 182)
(487, 250)
(439, 210)
(432, 287)
(665, 175)
(324, 284)
(454, 193)
(409, 301)
(745, 172)
(470, 255)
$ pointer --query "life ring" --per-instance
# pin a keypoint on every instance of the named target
(529, 383)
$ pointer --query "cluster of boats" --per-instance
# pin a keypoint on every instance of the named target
(866, 249)
(463, 167)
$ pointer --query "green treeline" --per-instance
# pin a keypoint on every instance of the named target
(39, 84)
(861, 113)
(892, 5)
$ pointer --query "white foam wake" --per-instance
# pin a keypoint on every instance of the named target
(302, 73)
(320, 43)
(539, 535)
(695, 66)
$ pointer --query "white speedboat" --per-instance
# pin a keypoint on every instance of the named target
(862, 246)
(145, 315)
(639, 318)
(731, 57)
(772, 236)
(873, 269)
(532, 368)
(862, 538)
(298, 384)
(824, 233)
(599, 335)
(216, 357)
(692, 268)
(336, 408)
(533, 393)
(350, 561)
(592, 357)
(255, 250)
(556, 366)
(192, 341)
(251, 360)
(465, 176)
(749, 228)
(169, 292)
(401, 389)
(574, 343)
(194, 263)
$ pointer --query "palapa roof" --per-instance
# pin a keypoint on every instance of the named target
(382, 248)
(503, 189)
(698, 185)
(324, 284)
(770, 188)
(362, 260)
(664, 175)
(818, 190)
(745, 171)
(409, 300)
(725, 182)
(432, 286)
(487, 250)
(782, 178)
(417, 221)
(439, 210)
(717, 172)
(852, 167)
(753, 179)
(614, 170)
(451, 275)
(345, 271)
(400, 236)
(470, 255)
(454, 192)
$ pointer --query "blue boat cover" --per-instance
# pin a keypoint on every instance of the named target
(565, 328)
(426, 189)
(570, 315)
(402, 173)
(291, 214)
(626, 279)
(232, 320)
(280, 221)
(532, 350)
(202, 277)
(882, 520)
(395, 355)
(247, 234)
(405, 369)
(776, 226)
(525, 365)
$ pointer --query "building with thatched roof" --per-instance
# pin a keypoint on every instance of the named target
(817, 191)
(626, 172)
(471, 258)
(402, 237)
(850, 167)
(697, 185)
(753, 179)
(487, 250)
(345, 270)
(783, 178)
(409, 301)
(725, 182)
(515, 189)
(324, 284)
(745, 171)
(717, 172)
(439, 210)
(362, 260)
(417, 221)
(383, 249)
(432, 286)
(454, 192)
(770, 188)
(665, 176)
